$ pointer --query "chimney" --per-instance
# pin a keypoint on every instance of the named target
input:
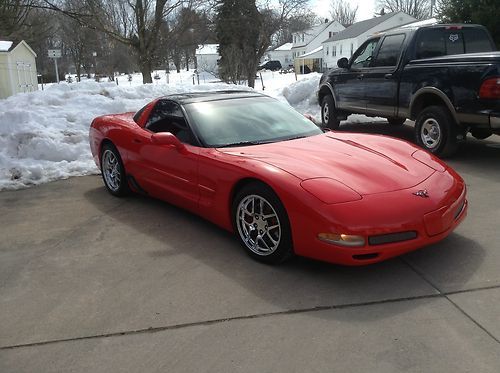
(326, 20)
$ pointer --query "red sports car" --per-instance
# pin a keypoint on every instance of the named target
(258, 168)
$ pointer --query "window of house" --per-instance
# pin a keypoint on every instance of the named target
(303, 38)
(340, 51)
(330, 34)
(327, 50)
(352, 49)
(334, 51)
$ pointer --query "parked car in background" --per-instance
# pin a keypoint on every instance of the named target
(270, 65)
(254, 166)
(445, 77)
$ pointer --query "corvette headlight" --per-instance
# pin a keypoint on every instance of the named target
(342, 239)
(428, 160)
(330, 191)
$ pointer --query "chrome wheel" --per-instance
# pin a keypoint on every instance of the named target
(111, 170)
(431, 133)
(326, 113)
(258, 225)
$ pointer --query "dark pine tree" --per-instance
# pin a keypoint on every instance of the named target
(237, 30)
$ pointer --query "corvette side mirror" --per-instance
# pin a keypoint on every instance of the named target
(343, 63)
(167, 138)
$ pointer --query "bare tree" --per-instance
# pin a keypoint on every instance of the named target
(420, 9)
(342, 12)
(135, 23)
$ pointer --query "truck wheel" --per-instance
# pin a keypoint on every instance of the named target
(435, 131)
(328, 113)
(395, 121)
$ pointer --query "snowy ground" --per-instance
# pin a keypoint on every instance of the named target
(44, 134)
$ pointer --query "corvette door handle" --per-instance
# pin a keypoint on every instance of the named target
(136, 141)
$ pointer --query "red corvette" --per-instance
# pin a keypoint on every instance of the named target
(255, 166)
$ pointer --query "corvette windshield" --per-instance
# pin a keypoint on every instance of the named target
(248, 121)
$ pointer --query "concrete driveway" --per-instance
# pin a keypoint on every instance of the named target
(92, 283)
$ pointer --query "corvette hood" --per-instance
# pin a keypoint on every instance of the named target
(367, 163)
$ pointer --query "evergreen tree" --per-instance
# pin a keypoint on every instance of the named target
(483, 12)
(237, 30)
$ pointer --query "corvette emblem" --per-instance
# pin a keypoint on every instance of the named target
(422, 193)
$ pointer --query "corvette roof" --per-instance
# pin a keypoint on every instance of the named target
(191, 97)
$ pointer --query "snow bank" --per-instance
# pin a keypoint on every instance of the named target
(44, 134)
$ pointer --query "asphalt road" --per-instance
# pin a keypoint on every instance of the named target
(92, 283)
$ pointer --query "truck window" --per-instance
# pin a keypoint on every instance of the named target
(390, 50)
(364, 54)
(443, 41)
(477, 40)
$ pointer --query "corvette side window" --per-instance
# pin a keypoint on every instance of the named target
(167, 116)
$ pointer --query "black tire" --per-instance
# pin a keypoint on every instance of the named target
(117, 185)
(256, 230)
(436, 131)
(328, 113)
(396, 122)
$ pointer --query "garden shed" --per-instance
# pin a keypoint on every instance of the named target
(17, 68)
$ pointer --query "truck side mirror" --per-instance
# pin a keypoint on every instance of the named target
(343, 63)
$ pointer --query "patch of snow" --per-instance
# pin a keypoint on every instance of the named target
(5, 45)
(207, 49)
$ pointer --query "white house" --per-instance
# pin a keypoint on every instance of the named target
(282, 53)
(207, 56)
(307, 44)
(17, 68)
(345, 43)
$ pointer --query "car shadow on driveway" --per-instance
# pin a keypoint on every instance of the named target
(177, 236)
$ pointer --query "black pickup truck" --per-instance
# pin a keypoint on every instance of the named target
(444, 77)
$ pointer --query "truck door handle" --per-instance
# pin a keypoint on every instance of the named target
(388, 76)
(360, 77)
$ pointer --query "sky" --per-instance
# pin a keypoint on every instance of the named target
(366, 8)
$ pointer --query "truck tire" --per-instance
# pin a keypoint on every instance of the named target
(328, 113)
(436, 130)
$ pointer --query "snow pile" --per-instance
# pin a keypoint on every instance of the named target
(44, 134)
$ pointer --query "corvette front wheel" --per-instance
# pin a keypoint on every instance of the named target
(261, 224)
(113, 171)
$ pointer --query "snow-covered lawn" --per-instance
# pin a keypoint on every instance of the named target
(44, 134)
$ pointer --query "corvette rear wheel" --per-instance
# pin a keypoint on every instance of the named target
(113, 172)
(261, 224)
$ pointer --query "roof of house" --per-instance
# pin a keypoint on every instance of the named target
(311, 52)
(359, 28)
(8, 46)
(5, 45)
(315, 31)
(205, 49)
(284, 47)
